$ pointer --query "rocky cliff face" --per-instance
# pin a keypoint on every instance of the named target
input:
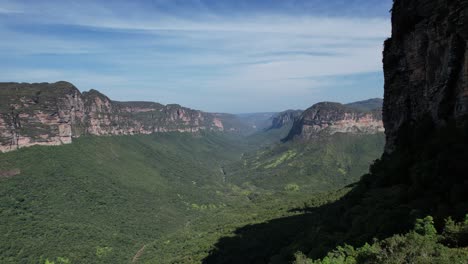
(426, 69)
(53, 114)
(426, 108)
(330, 118)
(284, 118)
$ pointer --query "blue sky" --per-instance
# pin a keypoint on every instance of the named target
(232, 56)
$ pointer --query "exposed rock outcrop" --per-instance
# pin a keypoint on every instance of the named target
(426, 69)
(329, 118)
(53, 114)
(284, 118)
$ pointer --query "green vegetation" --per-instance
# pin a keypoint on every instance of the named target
(195, 242)
(103, 199)
(426, 176)
(219, 198)
(422, 245)
(320, 165)
(292, 187)
(100, 199)
(268, 137)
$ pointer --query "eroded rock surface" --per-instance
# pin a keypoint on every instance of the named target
(284, 118)
(426, 68)
(330, 118)
(53, 114)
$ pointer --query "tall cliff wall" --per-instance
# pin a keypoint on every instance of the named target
(331, 118)
(426, 69)
(53, 114)
(426, 108)
(284, 118)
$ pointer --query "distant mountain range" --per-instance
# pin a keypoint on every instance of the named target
(367, 105)
(55, 113)
(257, 121)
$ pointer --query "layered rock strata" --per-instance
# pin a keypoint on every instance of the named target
(54, 114)
(330, 118)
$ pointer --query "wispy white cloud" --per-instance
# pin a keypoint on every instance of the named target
(207, 55)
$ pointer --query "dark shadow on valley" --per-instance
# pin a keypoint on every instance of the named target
(313, 231)
(428, 178)
(265, 242)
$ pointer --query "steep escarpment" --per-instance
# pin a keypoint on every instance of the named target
(426, 103)
(106, 117)
(53, 114)
(426, 70)
(423, 170)
(40, 114)
(331, 118)
(284, 118)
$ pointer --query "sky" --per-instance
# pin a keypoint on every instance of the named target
(234, 56)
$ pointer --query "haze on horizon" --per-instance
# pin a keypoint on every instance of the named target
(219, 56)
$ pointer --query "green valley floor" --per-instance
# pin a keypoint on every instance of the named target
(182, 198)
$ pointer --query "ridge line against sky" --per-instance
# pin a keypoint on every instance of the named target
(218, 56)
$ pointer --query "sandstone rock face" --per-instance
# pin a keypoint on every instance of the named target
(53, 114)
(328, 118)
(284, 118)
(38, 114)
(426, 68)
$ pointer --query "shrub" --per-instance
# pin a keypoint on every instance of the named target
(292, 187)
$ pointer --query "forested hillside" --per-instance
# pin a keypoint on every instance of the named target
(102, 198)
(325, 163)
(121, 199)
(87, 179)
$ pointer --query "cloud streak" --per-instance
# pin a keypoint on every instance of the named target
(198, 60)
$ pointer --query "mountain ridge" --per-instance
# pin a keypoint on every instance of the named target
(55, 113)
(367, 105)
(332, 117)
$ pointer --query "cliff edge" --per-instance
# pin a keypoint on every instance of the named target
(328, 118)
(55, 113)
